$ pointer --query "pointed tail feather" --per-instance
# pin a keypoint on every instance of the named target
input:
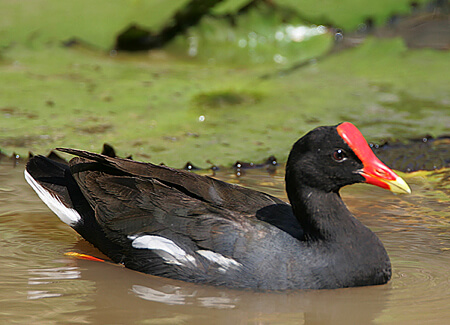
(49, 180)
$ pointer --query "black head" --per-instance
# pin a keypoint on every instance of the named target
(330, 157)
(323, 160)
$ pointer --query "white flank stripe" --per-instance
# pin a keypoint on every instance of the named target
(165, 248)
(67, 215)
(224, 262)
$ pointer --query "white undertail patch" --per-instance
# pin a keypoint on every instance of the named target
(165, 248)
(67, 215)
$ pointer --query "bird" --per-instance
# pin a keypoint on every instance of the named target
(185, 226)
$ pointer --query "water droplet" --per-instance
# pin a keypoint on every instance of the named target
(362, 28)
(279, 35)
(338, 37)
(193, 46)
(278, 58)
(252, 42)
(190, 166)
(321, 29)
(242, 43)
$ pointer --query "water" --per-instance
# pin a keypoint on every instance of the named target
(41, 285)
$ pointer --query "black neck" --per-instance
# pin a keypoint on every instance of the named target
(322, 215)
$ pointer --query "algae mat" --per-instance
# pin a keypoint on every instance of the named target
(164, 109)
(237, 101)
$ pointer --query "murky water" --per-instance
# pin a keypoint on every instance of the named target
(40, 285)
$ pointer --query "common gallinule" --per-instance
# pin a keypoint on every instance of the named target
(181, 225)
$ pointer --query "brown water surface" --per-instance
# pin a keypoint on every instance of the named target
(40, 285)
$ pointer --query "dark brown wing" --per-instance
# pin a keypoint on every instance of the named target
(128, 205)
(204, 188)
(182, 191)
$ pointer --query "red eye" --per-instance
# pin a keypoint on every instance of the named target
(339, 155)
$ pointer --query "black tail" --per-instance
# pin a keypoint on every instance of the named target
(53, 176)
(56, 187)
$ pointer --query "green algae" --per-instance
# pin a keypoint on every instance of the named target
(39, 22)
(151, 106)
(225, 99)
(226, 102)
(349, 14)
(97, 23)
(261, 37)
